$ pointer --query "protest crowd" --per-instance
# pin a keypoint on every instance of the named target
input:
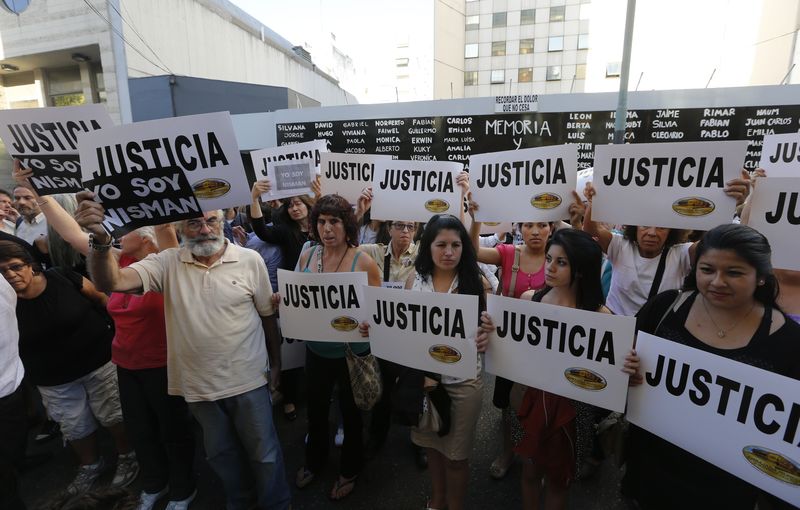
(146, 333)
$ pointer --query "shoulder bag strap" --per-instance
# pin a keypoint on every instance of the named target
(310, 255)
(387, 265)
(662, 263)
(512, 284)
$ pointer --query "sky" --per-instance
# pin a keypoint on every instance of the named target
(366, 30)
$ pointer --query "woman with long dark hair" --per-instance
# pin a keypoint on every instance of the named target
(336, 232)
(447, 262)
(289, 231)
(548, 443)
(728, 307)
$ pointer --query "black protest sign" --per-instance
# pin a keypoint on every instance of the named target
(156, 197)
(46, 141)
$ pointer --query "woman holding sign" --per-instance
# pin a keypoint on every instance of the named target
(289, 231)
(522, 270)
(446, 262)
(728, 308)
(336, 232)
(548, 442)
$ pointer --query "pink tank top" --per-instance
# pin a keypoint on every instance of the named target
(525, 281)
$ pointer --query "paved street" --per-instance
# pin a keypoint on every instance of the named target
(390, 482)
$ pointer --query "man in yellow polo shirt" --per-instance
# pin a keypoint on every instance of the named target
(217, 299)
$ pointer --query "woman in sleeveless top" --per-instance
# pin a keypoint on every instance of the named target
(548, 441)
(335, 230)
(522, 269)
(728, 308)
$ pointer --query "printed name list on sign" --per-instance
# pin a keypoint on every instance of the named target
(775, 212)
(46, 141)
(323, 307)
(740, 418)
(347, 174)
(572, 353)
(524, 185)
(780, 155)
(307, 150)
(428, 331)
(154, 172)
(675, 185)
(415, 190)
(516, 104)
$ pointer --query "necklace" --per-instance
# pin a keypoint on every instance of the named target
(720, 331)
(319, 260)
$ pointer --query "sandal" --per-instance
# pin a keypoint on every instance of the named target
(303, 478)
(343, 488)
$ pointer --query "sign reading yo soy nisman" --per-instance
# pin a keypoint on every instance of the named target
(154, 172)
(46, 141)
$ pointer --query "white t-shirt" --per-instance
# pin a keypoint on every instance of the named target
(633, 275)
(11, 370)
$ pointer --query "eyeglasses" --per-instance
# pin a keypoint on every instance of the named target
(15, 268)
(404, 226)
(197, 225)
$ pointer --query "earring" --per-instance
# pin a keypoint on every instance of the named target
(761, 282)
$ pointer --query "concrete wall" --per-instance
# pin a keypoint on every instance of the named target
(448, 49)
(214, 39)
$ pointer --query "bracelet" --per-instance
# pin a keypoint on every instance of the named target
(101, 247)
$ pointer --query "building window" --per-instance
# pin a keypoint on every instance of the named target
(525, 46)
(527, 16)
(580, 72)
(65, 87)
(499, 49)
(471, 51)
(498, 19)
(471, 78)
(498, 76)
(555, 43)
(401, 62)
(473, 22)
(586, 12)
(557, 13)
(583, 41)
(553, 73)
(525, 75)
(612, 69)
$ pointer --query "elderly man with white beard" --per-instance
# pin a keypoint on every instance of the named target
(217, 299)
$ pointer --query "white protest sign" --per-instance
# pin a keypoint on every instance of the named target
(289, 178)
(524, 185)
(429, 331)
(324, 307)
(780, 155)
(775, 212)
(153, 172)
(584, 176)
(675, 185)
(415, 190)
(306, 150)
(516, 103)
(572, 353)
(46, 141)
(492, 227)
(737, 417)
(347, 174)
(293, 352)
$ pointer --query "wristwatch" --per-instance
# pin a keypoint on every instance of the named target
(100, 246)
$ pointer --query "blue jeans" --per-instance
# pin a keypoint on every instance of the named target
(243, 449)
